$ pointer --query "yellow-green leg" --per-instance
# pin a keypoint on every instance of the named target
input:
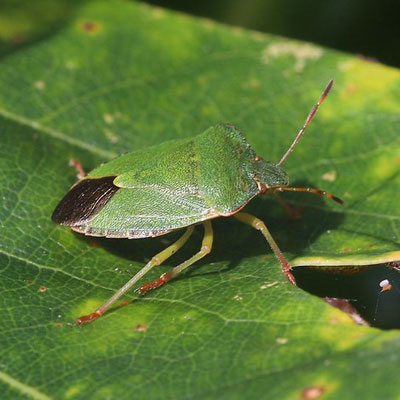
(206, 247)
(156, 260)
(259, 225)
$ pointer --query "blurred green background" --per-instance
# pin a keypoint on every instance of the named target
(370, 28)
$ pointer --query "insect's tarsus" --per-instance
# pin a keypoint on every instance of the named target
(308, 120)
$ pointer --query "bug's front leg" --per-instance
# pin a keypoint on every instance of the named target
(78, 167)
(206, 247)
(291, 212)
(259, 225)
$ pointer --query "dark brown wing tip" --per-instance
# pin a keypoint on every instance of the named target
(84, 200)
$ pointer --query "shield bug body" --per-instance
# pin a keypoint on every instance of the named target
(173, 185)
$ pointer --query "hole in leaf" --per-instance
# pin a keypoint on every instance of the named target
(363, 289)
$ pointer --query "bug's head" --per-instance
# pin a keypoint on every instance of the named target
(269, 174)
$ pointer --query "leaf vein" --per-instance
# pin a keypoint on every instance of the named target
(23, 387)
(41, 266)
(56, 134)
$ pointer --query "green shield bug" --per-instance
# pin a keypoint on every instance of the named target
(173, 185)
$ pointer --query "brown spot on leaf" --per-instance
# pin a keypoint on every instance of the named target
(90, 27)
(141, 328)
(124, 303)
(42, 289)
(58, 325)
(312, 392)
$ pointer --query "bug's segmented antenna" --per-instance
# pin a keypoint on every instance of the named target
(308, 120)
(308, 190)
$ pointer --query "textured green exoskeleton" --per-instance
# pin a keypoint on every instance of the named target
(179, 183)
(173, 185)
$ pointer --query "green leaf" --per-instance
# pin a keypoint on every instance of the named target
(121, 76)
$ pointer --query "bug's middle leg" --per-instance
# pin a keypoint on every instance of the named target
(259, 225)
(156, 260)
(206, 247)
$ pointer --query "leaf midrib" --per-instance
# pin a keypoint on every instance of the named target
(7, 115)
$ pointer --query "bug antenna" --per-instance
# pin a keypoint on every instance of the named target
(308, 190)
(308, 120)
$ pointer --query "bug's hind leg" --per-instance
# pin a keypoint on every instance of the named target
(259, 225)
(206, 247)
(156, 260)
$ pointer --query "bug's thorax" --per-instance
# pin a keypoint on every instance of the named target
(268, 175)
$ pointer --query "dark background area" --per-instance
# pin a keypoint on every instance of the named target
(366, 27)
